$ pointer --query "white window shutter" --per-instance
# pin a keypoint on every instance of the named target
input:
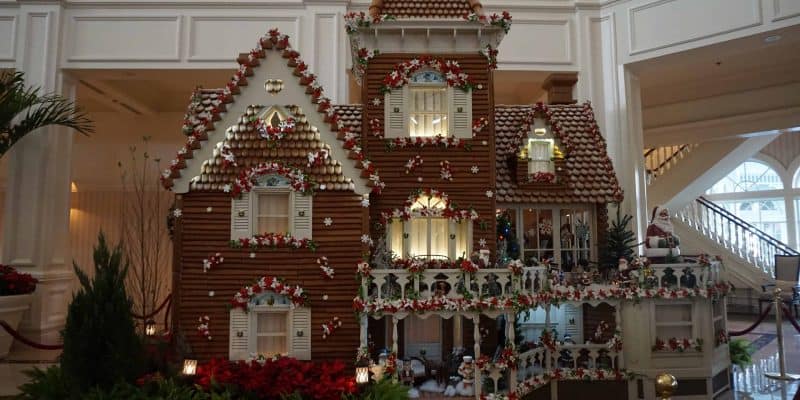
(396, 113)
(240, 217)
(460, 112)
(300, 340)
(301, 215)
(239, 335)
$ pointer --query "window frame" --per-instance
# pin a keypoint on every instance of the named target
(538, 125)
(452, 234)
(252, 341)
(555, 213)
(445, 115)
(255, 213)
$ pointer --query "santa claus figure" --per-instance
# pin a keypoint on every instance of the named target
(661, 239)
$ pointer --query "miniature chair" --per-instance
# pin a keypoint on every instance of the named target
(787, 275)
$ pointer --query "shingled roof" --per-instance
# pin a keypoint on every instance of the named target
(320, 126)
(425, 8)
(589, 173)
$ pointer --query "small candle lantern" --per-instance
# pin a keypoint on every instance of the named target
(150, 327)
(189, 367)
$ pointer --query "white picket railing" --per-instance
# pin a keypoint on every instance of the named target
(659, 160)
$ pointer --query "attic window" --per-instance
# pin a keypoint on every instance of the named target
(539, 150)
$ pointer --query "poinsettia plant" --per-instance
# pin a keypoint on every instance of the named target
(13, 282)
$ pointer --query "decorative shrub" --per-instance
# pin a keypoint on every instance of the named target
(101, 346)
(13, 282)
(275, 378)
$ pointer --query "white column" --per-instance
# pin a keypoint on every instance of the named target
(363, 324)
(510, 337)
(629, 165)
(476, 335)
(36, 219)
(458, 331)
(394, 335)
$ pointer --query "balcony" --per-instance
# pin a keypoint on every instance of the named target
(499, 289)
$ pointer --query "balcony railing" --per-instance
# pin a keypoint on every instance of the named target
(736, 235)
(437, 284)
(659, 160)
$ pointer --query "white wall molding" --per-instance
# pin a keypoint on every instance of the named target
(108, 38)
(785, 9)
(207, 41)
(540, 41)
(8, 31)
(654, 19)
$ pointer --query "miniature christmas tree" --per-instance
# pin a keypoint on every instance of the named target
(620, 242)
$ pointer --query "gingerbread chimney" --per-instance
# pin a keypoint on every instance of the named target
(559, 88)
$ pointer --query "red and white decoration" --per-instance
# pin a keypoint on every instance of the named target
(202, 327)
(317, 158)
(326, 270)
(243, 297)
(445, 171)
(376, 127)
(516, 267)
(413, 163)
(502, 20)
(273, 241)
(228, 159)
(330, 326)
(428, 141)
(542, 177)
(267, 131)
(478, 125)
(212, 261)
(247, 179)
(678, 345)
(448, 211)
(451, 70)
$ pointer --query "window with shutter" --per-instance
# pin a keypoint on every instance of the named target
(300, 347)
(429, 237)
(240, 217)
(239, 335)
(461, 112)
(271, 207)
(395, 113)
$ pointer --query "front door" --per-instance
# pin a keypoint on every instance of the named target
(423, 335)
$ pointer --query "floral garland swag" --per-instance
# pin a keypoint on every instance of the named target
(245, 295)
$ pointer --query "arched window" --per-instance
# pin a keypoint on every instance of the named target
(749, 193)
(750, 176)
(429, 233)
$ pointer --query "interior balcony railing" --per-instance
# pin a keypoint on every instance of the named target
(391, 284)
(659, 160)
(736, 235)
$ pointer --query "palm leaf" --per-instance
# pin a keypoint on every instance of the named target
(23, 110)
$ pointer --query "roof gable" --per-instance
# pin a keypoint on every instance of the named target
(215, 118)
(589, 171)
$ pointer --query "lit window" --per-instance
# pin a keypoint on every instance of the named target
(750, 176)
(428, 234)
(428, 105)
(272, 211)
(540, 155)
(271, 332)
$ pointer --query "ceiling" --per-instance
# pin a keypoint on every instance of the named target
(733, 66)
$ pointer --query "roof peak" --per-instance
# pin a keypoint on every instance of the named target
(425, 8)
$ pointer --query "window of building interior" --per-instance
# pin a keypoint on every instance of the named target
(272, 205)
(427, 234)
(428, 104)
(270, 314)
(754, 192)
(539, 148)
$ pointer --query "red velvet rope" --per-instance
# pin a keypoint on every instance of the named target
(788, 314)
(751, 327)
(29, 342)
(156, 311)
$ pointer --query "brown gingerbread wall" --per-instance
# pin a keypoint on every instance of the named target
(466, 189)
(201, 233)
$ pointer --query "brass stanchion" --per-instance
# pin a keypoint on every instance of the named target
(666, 385)
(782, 375)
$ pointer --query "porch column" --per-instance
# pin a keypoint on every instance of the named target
(546, 361)
(363, 323)
(458, 331)
(394, 334)
(510, 337)
(37, 202)
(618, 326)
(476, 335)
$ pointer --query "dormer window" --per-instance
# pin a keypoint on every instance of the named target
(427, 106)
(539, 150)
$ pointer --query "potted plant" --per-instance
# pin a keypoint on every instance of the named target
(15, 298)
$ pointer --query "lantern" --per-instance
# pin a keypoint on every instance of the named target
(362, 373)
(150, 327)
(189, 367)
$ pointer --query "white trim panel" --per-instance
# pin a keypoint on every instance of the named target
(124, 38)
(654, 25)
(552, 38)
(785, 9)
(8, 31)
(213, 38)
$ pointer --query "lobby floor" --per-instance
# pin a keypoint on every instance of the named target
(750, 384)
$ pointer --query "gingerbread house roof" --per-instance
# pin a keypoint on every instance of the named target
(213, 159)
(588, 170)
(425, 8)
